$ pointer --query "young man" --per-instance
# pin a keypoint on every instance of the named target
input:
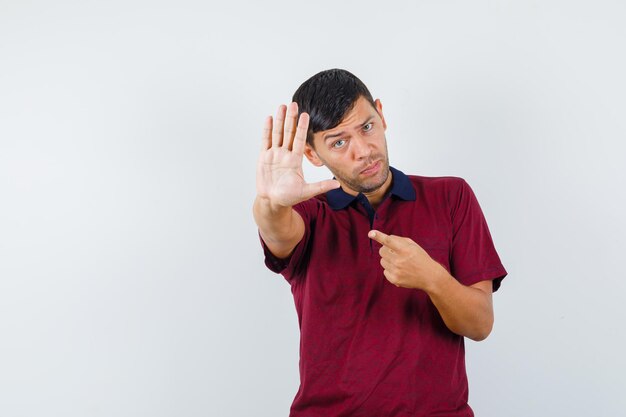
(389, 272)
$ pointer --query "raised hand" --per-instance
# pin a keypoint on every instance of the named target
(280, 179)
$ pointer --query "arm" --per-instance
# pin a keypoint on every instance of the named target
(466, 310)
(280, 227)
(280, 181)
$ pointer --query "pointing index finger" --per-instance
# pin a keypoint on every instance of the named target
(390, 241)
(379, 237)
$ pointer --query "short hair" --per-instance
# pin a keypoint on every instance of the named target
(327, 97)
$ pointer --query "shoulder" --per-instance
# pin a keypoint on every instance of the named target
(311, 207)
(444, 186)
(436, 181)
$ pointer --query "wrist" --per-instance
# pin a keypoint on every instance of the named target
(440, 280)
(270, 206)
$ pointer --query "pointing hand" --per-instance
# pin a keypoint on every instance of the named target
(405, 263)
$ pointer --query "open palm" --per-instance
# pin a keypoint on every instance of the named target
(280, 179)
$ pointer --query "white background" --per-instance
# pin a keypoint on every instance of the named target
(131, 276)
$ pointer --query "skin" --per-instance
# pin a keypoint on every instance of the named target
(358, 142)
(355, 151)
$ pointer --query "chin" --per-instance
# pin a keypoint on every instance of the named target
(374, 184)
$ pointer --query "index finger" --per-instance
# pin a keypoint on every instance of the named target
(301, 131)
(383, 239)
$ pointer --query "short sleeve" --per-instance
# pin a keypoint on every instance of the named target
(473, 255)
(292, 265)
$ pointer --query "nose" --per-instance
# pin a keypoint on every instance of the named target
(361, 148)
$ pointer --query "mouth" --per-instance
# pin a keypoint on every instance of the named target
(371, 169)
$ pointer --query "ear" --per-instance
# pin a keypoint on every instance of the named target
(311, 155)
(379, 109)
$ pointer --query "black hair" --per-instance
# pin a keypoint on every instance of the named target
(327, 97)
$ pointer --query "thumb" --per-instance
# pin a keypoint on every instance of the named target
(311, 190)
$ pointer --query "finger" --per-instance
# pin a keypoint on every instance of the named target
(385, 252)
(390, 277)
(290, 125)
(386, 264)
(383, 239)
(300, 139)
(266, 142)
(311, 190)
(277, 131)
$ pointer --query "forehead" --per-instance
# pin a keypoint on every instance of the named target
(362, 110)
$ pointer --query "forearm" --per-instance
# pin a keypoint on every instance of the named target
(280, 227)
(466, 311)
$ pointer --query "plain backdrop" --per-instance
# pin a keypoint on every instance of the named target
(131, 276)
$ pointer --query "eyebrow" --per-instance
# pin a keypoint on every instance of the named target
(334, 135)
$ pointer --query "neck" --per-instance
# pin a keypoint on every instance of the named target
(375, 197)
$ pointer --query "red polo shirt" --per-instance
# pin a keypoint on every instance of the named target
(367, 347)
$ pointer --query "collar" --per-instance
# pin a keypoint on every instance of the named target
(401, 187)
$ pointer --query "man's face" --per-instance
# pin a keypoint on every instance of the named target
(355, 151)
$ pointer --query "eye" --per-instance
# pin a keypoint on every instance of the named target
(368, 127)
(339, 143)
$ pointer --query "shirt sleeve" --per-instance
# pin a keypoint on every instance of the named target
(473, 255)
(293, 265)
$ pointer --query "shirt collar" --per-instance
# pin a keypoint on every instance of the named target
(401, 187)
